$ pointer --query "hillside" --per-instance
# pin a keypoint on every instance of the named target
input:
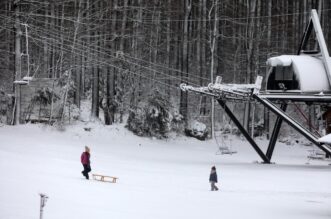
(157, 179)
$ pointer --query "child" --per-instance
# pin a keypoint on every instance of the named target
(213, 179)
(85, 159)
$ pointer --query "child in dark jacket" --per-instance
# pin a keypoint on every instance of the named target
(85, 160)
(213, 179)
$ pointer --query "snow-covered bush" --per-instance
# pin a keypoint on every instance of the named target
(151, 117)
(137, 121)
(6, 107)
(67, 110)
(72, 112)
(67, 84)
(197, 129)
(177, 121)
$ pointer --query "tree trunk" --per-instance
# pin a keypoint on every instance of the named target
(18, 64)
(203, 62)
(106, 109)
(154, 42)
(250, 47)
(112, 76)
(52, 52)
(76, 59)
(95, 76)
(213, 47)
(122, 73)
(62, 43)
(184, 75)
(45, 65)
(95, 92)
(169, 54)
(269, 25)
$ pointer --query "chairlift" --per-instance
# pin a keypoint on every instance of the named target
(224, 145)
(316, 154)
(304, 77)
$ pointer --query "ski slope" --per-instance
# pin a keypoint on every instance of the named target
(157, 179)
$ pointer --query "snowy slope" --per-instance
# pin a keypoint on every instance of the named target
(157, 179)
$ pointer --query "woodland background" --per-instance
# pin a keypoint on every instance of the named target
(119, 53)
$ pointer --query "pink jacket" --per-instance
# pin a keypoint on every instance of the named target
(85, 158)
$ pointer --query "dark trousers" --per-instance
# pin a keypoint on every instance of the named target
(213, 186)
(87, 169)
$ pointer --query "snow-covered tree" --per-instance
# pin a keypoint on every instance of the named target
(152, 117)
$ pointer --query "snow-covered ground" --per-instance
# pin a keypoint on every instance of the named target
(157, 179)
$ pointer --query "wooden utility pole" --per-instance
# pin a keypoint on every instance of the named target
(18, 73)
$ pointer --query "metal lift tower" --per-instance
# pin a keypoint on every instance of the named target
(305, 77)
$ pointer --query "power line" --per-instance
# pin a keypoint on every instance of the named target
(98, 62)
(37, 31)
(221, 18)
(125, 60)
(155, 64)
(52, 34)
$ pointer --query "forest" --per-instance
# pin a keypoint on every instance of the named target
(124, 56)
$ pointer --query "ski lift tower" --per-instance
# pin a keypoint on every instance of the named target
(304, 77)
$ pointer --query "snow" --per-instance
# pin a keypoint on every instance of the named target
(309, 71)
(283, 60)
(157, 179)
(197, 126)
(325, 139)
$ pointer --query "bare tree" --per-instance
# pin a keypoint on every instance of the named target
(18, 64)
(183, 95)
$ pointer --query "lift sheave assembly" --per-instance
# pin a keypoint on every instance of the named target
(305, 77)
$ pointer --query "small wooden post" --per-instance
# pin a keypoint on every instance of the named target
(43, 199)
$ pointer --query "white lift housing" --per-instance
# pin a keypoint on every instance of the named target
(303, 73)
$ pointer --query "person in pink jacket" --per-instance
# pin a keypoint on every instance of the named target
(85, 160)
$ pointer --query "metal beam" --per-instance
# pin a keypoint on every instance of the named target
(275, 133)
(321, 43)
(305, 37)
(298, 97)
(243, 131)
(294, 124)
